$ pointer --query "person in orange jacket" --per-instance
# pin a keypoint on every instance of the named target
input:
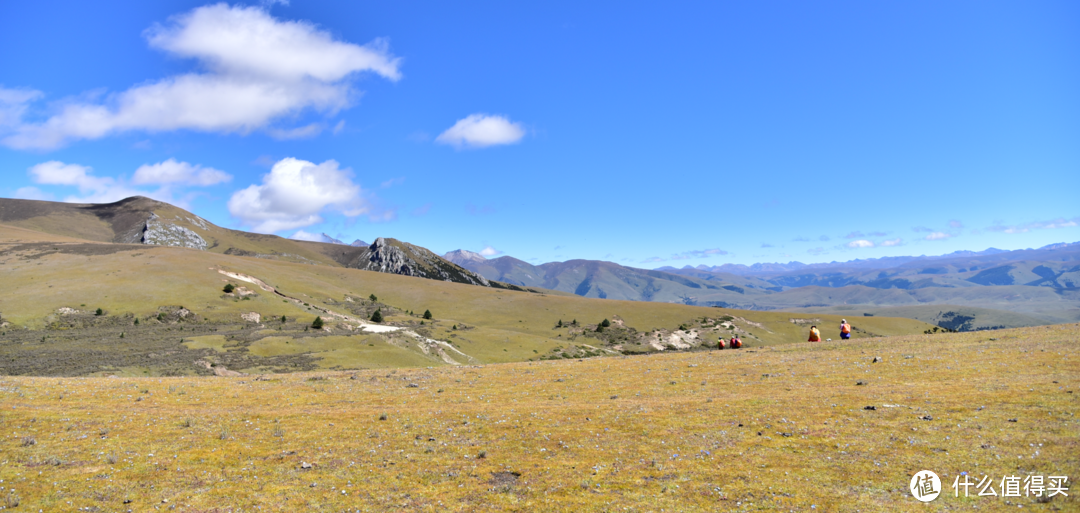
(721, 344)
(736, 343)
(815, 335)
(845, 329)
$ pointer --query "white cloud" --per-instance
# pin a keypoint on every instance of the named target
(861, 243)
(294, 194)
(892, 242)
(14, 103)
(32, 193)
(308, 236)
(480, 131)
(260, 69)
(489, 251)
(939, 236)
(1060, 222)
(55, 172)
(173, 172)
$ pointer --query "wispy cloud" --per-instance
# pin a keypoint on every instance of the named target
(854, 235)
(816, 251)
(800, 239)
(878, 234)
(939, 236)
(489, 251)
(392, 182)
(422, 209)
(922, 229)
(766, 245)
(955, 224)
(824, 238)
(652, 260)
(892, 242)
(1052, 224)
(698, 253)
(861, 243)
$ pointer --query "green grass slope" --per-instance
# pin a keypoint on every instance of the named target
(484, 325)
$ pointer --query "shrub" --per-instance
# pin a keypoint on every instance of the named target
(136, 321)
(99, 312)
(427, 314)
(377, 316)
(228, 288)
(606, 323)
(318, 323)
(373, 297)
(283, 319)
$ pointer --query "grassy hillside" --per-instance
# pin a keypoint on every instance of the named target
(799, 427)
(954, 317)
(152, 284)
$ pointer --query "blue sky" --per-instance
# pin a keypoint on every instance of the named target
(648, 134)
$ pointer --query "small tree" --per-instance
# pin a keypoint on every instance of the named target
(228, 288)
(560, 324)
(136, 321)
(606, 323)
(373, 297)
(99, 312)
(282, 319)
(599, 328)
(377, 316)
(427, 314)
(317, 324)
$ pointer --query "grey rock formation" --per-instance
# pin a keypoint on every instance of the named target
(463, 256)
(391, 256)
(162, 233)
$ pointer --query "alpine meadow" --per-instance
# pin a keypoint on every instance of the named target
(539, 256)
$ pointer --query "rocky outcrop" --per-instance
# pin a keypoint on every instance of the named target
(395, 257)
(463, 257)
(159, 232)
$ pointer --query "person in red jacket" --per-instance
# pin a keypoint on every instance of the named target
(736, 343)
(815, 335)
(845, 329)
(721, 344)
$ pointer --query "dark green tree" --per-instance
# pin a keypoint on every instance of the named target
(427, 314)
(606, 323)
(560, 324)
(99, 312)
(136, 321)
(373, 297)
(318, 324)
(228, 288)
(599, 328)
(377, 316)
(283, 319)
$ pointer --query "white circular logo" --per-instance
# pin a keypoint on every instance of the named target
(925, 486)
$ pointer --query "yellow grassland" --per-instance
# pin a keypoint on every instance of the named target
(702, 431)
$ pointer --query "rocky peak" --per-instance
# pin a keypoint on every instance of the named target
(464, 256)
(396, 257)
(161, 232)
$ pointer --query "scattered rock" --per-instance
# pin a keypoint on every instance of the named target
(1012, 420)
(304, 465)
(251, 317)
(876, 359)
(412, 385)
(870, 408)
(786, 435)
(927, 417)
(860, 383)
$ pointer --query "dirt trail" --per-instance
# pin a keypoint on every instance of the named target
(425, 344)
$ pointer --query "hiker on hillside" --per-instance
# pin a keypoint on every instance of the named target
(736, 342)
(815, 335)
(845, 329)
(721, 344)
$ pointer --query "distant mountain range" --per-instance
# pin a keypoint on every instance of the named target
(1041, 283)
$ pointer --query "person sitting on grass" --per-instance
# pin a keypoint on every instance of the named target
(815, 335)
(721, 344)
(736, 342)
(845, 329)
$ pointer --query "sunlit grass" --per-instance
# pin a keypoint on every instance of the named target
(780, 427)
